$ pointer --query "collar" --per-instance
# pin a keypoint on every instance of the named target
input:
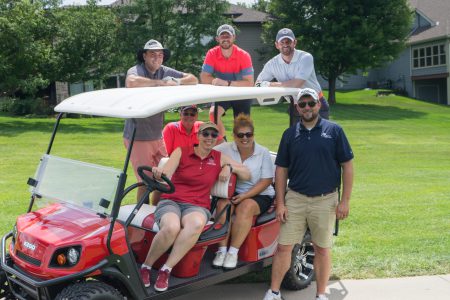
(293, 60)
(300, 127)
(192, 153)
(232, 56)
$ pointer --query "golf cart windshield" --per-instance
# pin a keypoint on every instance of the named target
(75, 182)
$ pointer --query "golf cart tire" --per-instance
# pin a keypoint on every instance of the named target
(301, 271)
(93, 290)
(4, 287)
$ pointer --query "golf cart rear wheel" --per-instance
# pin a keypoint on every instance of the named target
(301, 272)
(5, 292)
(91, 290)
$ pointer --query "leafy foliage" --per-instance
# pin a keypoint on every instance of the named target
(186, 27)
(344, 35)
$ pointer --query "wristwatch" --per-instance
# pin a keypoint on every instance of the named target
(231, 168)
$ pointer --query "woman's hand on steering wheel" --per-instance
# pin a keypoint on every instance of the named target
(153, 183)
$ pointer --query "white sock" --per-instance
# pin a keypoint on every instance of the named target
(233, 250)
(222, 249)
(166, 267)
(146, 267)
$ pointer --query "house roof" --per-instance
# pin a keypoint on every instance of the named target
(237, 13)
(240, 14)
(437, 11)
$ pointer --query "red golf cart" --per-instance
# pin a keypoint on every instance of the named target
(78, 241)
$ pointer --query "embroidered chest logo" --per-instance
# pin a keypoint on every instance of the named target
(325, 135)
(211, 161)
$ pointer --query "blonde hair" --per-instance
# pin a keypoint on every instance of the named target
(242, 120)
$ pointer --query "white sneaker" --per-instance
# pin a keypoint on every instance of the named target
(218, 260)
(230, 261)
(271, 296)
(321, 297)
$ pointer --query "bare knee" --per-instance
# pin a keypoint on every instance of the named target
(170, 230)
(320, 251)
(247, 209)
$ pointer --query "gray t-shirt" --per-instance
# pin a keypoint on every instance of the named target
(260, 165)
(300, 67)
(148, 129)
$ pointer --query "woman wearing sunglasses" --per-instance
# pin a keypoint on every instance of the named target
(184, 132)
(253, 196)
(182, 215)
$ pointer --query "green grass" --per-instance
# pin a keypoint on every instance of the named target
(399, 223)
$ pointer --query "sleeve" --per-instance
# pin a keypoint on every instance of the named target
(267, 168)
(168, 138)
(306, 66)
(172, 72)
(266, 74)
(283, 159)
(344, 152)
(246, 65)
(208, 63)
(132, 71)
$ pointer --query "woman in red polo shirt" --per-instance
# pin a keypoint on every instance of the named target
(182, 215)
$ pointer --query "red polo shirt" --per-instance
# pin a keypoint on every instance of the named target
(195, 177)
(175, 136)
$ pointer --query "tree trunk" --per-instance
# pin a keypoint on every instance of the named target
(332, 90)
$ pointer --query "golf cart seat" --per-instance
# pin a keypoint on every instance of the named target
(143, 229)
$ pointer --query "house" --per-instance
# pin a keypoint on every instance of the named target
(422, 69)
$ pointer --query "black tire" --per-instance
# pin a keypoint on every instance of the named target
(301, 272)
(90, 290)
(5, 292)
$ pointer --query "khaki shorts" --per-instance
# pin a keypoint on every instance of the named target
(146, 153)
(317, 213)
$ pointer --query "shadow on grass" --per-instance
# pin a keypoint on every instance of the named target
(372, 112)
(16, 126)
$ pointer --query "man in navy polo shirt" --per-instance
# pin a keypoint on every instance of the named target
(312, 155)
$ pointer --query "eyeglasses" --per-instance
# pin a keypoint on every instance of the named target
(213, 134)
(246, 134)
(188, 114)
(310, 104)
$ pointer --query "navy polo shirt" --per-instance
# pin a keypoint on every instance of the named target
(313, 157)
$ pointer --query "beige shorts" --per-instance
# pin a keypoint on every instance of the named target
(146, 153)
(317, 213)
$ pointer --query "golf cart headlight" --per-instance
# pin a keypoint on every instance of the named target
(72, 256)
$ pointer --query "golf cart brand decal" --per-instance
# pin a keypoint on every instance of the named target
(268, 251)
(211, 162)
(29, 245)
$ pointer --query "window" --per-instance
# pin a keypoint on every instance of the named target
(429, 56)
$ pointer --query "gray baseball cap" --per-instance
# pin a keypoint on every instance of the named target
(285, 33)
(225, 28)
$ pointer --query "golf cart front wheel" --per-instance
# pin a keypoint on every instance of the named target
(92, 290)
(301, 272)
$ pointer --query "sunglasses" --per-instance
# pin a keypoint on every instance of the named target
(213, 134)
(246, 134)
(188, 114)
(310, 104)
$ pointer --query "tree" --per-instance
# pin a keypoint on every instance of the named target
(344, 36)
(85, 43)
(186, 27)
(25, 46)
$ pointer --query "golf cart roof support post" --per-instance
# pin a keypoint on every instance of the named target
(55, 128)
(120, 190)
(130, 147)
(291, 111)
(216, 113)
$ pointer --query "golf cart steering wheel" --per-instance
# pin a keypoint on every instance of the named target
(153, 183)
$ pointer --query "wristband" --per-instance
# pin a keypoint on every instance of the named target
(231, 168)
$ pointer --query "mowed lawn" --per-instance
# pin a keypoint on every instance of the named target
(399, 223)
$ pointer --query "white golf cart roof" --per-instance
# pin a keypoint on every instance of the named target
(144, 102)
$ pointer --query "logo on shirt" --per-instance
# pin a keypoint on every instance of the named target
(211, 161)
(325, 135)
